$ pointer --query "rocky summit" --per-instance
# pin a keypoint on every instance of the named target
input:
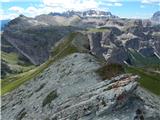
(70, 89)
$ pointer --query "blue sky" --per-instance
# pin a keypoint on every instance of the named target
(122, 8)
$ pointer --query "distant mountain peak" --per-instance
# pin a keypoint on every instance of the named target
(84, 14)
(21, 15)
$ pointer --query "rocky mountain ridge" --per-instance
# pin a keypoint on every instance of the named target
(70, 89)
(105, 35)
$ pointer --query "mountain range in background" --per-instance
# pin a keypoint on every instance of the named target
(85, 14)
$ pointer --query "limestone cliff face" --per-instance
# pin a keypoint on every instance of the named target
(71, 89)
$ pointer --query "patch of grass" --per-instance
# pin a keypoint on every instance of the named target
(110, 70)
(155, 67)
(65, 47)
(139, 60)
(9, 57)
(148, 80)
(12, 60)
(146, 68)
(98, 30)
(49, 98)
(13, 82)
(108, 88)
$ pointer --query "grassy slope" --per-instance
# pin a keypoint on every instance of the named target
(139, 60)
(92, 30)
(110, 70)
(9, 57)
(59, 52)
(12, 60)
(148, 80)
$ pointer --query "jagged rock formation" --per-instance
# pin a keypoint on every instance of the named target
(71, 89)
(115, 43)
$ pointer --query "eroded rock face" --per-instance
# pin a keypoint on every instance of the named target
(116, 42)
(116, 55)
(70, 89)
(133, 43)
(95, 43)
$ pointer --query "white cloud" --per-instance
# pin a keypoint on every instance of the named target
(20, 1)
(6, 0)
(109, 4)
(114, 4)
(72, 4)
(17, 9)
(150, 1)
(31, 11)
(113, 0)
(118, 4)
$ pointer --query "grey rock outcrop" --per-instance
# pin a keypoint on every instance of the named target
(133, 43)
(71, 89)
(95, 43)
(116, 55)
